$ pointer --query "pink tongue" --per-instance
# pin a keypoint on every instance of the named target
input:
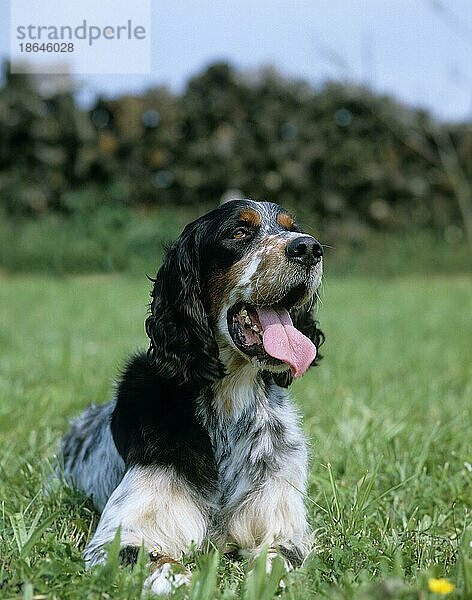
(283, 341)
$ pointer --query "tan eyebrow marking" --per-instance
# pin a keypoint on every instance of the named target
(285, 220)
(250, 216)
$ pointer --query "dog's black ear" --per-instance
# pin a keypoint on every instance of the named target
(182, 344)
(304, 321)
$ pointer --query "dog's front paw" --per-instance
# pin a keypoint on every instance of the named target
(167, 575)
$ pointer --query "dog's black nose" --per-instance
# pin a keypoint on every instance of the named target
(304, 250)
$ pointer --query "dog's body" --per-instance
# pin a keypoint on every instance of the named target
(202, 441)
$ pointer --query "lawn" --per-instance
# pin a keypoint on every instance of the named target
(388, 414)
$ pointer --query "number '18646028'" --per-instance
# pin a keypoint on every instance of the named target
(49, 47)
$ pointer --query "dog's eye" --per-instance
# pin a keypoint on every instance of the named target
(239, 233)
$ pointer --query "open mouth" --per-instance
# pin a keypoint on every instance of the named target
(268, 333)
(245, 329)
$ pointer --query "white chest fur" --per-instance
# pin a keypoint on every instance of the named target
(262, 459)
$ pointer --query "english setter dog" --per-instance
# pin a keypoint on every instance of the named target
(201, 441)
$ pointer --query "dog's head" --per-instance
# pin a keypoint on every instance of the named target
(237, 286)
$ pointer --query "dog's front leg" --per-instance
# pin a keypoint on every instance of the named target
(272, 516)
(155, 508)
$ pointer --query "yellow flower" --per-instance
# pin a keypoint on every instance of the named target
(440, 586)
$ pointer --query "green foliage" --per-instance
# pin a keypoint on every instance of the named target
(260, 584)
(113, 239)
(339, 153)
(106, 240)
(100, 190)
(387, 415)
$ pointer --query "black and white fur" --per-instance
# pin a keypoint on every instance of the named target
(202, 441)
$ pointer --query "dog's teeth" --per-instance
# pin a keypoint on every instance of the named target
(247, 320)
(255, 328)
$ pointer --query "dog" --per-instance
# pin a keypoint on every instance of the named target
(201, 441)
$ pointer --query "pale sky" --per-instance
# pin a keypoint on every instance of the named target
(418, 50)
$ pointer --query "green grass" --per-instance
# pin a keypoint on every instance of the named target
(388, 415)
(107, 240)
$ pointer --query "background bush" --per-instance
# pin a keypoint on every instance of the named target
(345, 159)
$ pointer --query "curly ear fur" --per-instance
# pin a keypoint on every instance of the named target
(303, 320)
(182, 344)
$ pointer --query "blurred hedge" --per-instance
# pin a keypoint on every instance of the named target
(343, 155)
